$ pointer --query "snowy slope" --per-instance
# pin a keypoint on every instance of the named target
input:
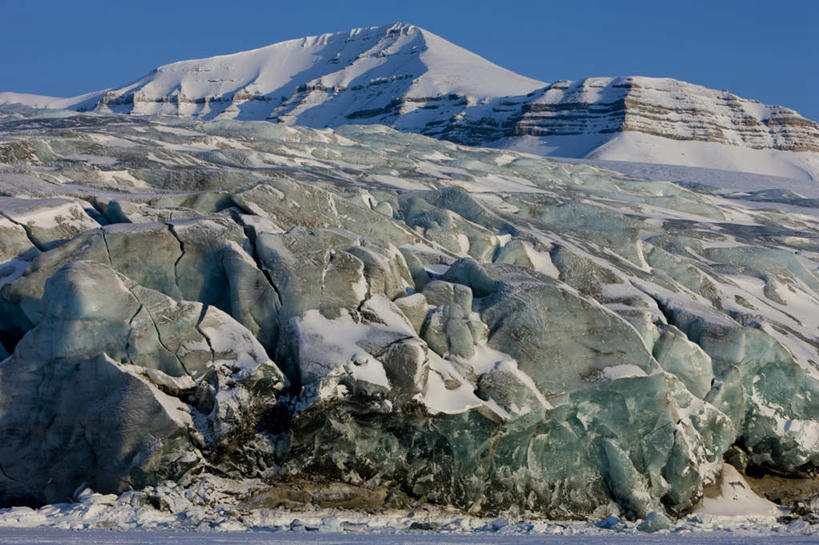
(44, 101)
(640, 147)
(410, 79)
(795, 168)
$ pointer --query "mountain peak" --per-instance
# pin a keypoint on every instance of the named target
(385, 63)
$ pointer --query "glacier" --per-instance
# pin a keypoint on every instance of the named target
(363, 318)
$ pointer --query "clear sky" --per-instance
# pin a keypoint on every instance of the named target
(767, 50)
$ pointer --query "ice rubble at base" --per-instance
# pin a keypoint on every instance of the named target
(453, 326)
(222, 505)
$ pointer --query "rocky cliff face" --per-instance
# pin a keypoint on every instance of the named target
(663, 107)
(408, 319)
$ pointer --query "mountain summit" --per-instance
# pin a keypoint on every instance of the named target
(316, 81)
(413, 80)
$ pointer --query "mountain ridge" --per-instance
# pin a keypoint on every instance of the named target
(405, 77)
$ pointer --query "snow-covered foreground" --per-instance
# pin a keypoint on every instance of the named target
(10, 536)
(730, 513)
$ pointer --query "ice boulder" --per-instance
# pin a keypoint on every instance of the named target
(14, 240)
(208, 260)
(130, 386)
(87, 420)
(655, 522)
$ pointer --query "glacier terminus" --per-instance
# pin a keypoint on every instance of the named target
(342, 274)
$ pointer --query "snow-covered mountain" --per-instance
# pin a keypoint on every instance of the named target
(410, 79)
(364, 75)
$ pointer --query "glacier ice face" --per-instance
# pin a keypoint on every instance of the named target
(125, 385)
(462, 326)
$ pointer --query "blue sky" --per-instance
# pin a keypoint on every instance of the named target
(767, 50)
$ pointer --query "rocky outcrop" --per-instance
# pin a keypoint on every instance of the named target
(662, 107)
